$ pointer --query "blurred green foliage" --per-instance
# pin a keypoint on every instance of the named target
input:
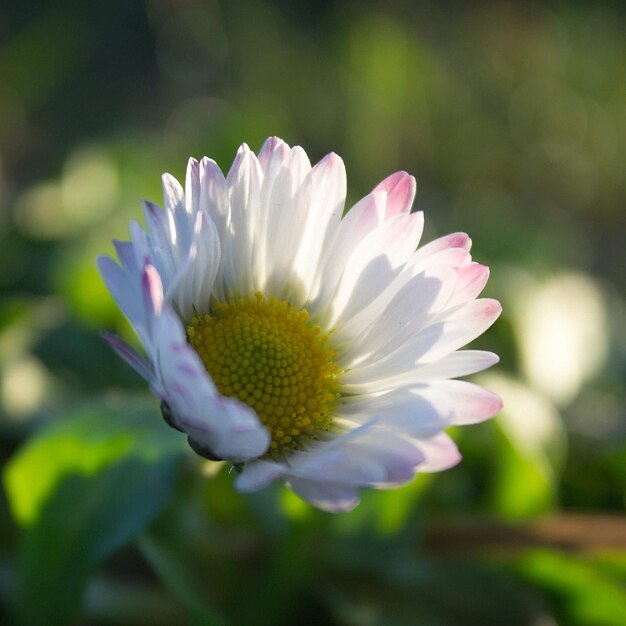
(82, 488)
(511, 116)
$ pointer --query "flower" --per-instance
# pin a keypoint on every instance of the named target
(296, 343)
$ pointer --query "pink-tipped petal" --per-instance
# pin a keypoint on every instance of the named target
(471, 279)
(455, 240)
(464, 402)
(274, 150)
(122, 349)
(457, 364)
(152, 289)
(375, 262)
(173, 194)
(192, 185)
(404, 410)
(440, 453)
(432, 343)
(227, 427)
(214, 194)
(400, 189)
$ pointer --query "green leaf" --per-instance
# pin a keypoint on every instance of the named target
(582, 593)
(81, 489)
(530, 452)
(523, 487)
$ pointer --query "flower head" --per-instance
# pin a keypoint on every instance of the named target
(297, 343)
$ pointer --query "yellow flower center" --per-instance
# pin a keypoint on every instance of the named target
(268, 355)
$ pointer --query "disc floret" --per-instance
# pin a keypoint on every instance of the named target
(267, 354)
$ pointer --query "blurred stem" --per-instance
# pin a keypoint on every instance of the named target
(572, 532)
(286, 574)
(111, 601)
(176, 578)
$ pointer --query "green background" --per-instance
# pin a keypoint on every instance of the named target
(512, 117)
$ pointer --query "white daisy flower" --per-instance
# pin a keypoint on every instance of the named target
(296, 343)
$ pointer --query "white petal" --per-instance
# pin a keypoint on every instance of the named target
(271, 158)
(127, 255)
(181, 217)
(360, 220)
(330, 497)
(450, 258)
(173, 194)
(396, 456)
(193, 186)
(452, 241)
(340, 463)
(152, 294)
(141, 247)
(409, 310)
(400, 189)
(124, 288)
(288, 212)
(271, 155)
(465, 403)
(215, 202)
(257, 475)
(138, 363)
(404, 410)
(461, 363)
(227, 427)
(328, 195)
(198, 272)
(161, 238)
(369, 455)
(440, 453)
(214, 194)
(471, 279)
(244, 182)
(433, 342)
(437, 258)
(374, 263)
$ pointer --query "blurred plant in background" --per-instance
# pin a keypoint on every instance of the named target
(512, 117)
